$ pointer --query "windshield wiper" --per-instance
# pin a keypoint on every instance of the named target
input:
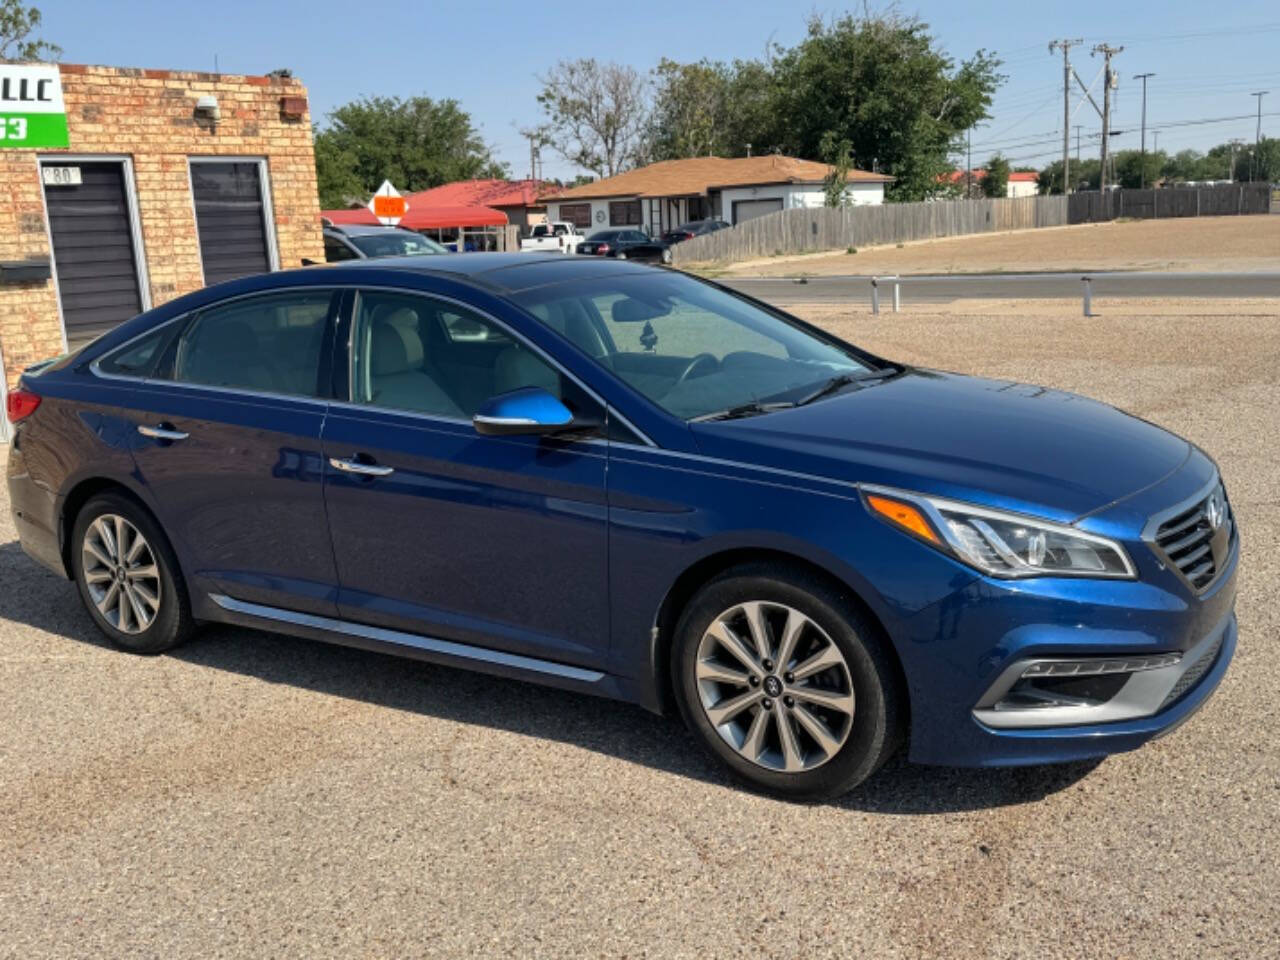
(751, 409)
(841, 381)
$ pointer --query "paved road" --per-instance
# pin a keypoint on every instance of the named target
(944, 288)
(256, 795)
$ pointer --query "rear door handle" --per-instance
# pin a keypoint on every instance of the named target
(162, 433)
(364, 469)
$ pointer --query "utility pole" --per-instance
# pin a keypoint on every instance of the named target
(1257, 137)
(1066, 46)
(1236, 142)
(1143, 162)
(1108, 79)
(1155, 136)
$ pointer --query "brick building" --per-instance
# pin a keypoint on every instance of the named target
(168, 181)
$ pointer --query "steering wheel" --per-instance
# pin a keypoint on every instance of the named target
(701, 360)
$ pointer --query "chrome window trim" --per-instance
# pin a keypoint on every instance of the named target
(515, 335)
(450, 648)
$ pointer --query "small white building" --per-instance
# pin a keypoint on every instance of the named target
(664, 195)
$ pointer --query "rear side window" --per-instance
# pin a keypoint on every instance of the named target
(138, 359)
(270, 343)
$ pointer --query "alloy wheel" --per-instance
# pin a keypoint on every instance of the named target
(775, 686)
(121, 573)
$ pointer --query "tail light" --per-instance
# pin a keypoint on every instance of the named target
(603, 248)
(21, 404)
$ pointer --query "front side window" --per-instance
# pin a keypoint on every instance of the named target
(690, 347)
(426, 356)
(270, 343)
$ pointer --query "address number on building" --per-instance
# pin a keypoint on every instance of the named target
(61, 176)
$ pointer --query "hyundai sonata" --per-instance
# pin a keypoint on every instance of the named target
(626, 481)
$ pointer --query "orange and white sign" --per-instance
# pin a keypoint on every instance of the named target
(387, 204)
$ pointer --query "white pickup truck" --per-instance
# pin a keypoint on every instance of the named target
(555, 237)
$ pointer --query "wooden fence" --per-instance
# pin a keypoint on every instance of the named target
(1226, 200)
(837, 228)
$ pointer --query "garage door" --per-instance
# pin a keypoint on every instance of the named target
(94, 257)
(744, 210)
(231, 218)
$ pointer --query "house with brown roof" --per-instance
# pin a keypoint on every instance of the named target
(663, 195)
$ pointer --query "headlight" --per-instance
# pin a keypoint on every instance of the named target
(999, 544)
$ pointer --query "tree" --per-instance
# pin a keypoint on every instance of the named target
(835, 185)
(1085, 175)
(690, 110)
(1133, 168)
(597, 113)
(17, 23)
(996, 182)
(416, 143)
(881, 82)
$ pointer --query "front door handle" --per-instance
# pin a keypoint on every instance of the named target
(162, 433)
(365, 469)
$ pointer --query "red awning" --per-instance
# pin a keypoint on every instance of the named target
(421, 217)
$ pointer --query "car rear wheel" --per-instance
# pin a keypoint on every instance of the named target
(784, 680)
(128, 576)
(666, 254)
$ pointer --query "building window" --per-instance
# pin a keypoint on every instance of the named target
(579, 214)
(625, 213)
(698, 208)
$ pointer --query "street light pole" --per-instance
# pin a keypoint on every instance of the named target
(1143, 162)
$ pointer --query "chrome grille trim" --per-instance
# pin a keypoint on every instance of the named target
(1184, 539)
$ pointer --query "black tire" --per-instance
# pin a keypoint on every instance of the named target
(878, 724)
(171, 623)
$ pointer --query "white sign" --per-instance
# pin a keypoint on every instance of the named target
(32, 113)
(387, 204)
(61, 176)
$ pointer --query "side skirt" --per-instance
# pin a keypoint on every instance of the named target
(397, 643)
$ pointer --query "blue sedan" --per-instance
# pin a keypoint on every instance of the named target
(626, 481)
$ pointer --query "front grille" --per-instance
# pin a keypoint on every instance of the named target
(1186, 540)
(1194, 673)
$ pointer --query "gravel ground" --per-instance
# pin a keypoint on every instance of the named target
(252, 794)
(1190, 244)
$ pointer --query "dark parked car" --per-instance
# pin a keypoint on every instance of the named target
(626, 244)
(631, 482)
(695, 228)
(359, 242)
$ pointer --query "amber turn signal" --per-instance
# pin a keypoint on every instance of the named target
(904, 515)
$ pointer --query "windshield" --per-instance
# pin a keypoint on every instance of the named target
(691, 348)
(395, 244)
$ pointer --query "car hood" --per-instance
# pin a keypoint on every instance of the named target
(998, 443)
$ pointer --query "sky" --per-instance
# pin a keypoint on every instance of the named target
(487, 55)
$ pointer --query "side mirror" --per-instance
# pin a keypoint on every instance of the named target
(529, 410)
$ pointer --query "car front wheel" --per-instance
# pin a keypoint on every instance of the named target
(128, 576)
(783, 679)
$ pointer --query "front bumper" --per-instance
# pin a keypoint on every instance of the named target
(959, 653)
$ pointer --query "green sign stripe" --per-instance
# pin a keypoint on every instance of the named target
(33, 130)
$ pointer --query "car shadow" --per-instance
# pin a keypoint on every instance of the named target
(47, 603)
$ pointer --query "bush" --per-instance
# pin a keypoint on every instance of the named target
(851, 250)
